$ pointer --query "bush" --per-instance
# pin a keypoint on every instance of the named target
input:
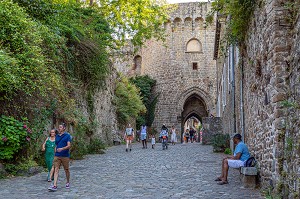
(78, 149)
(96, 146)
(221, 142)
(228, 151)
(14, 135)
(128, 102)
(21, 168)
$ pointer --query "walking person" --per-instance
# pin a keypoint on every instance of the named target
(49, 148)
(173, 135)
(153, 141)
(192, 133)
(62, 155)
(186, 135)
(164, 136)
(144, 136)
(128, 136)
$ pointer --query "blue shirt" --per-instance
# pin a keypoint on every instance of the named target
(144, 130)
(243, 149)
(62, 141)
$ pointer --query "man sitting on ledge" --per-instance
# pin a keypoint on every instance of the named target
(241, 154)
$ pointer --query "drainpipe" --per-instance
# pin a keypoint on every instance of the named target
(233, 86)
(242, 101)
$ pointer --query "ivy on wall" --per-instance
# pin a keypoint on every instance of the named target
(238, 14)
(146, 84)
(128, 102)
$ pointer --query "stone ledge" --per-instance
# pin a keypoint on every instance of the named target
(249, 171)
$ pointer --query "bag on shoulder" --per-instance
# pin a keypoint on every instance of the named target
(250, 162)
(129, 131)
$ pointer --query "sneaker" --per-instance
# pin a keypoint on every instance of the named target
(129, 149)
(126, 150)
(68, 186)
(52, 188)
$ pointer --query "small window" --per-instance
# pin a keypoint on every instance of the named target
(195, 66)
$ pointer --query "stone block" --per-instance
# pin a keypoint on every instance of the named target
(248, 177)
(249, 171)
(248, 181)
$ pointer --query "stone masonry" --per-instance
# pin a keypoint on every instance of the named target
(267, 94)
(183, 66)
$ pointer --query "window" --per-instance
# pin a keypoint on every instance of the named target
(195, 66)
(194, 46)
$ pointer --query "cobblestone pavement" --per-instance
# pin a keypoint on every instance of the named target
(182, 171)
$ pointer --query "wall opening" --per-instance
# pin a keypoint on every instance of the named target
(195, 66)
(194, 46)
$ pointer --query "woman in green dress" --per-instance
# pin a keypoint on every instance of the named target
(49, 147)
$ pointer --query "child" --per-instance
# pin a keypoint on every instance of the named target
(153, 141)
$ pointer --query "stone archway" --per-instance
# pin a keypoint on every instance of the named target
(194, 106)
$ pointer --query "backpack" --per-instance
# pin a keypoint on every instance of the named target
(250, 162)
(129, 131)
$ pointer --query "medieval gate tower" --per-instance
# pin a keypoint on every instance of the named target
(183, 67)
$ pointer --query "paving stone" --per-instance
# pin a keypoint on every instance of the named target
(182, 171)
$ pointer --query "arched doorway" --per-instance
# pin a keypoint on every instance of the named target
(194, 110)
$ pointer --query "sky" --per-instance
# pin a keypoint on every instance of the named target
(183, 1)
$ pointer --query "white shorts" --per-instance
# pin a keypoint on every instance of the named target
(235, 163)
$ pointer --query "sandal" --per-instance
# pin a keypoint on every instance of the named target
(223, 182)
(218, 179)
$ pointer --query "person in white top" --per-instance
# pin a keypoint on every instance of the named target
(128, 136)
(153, 141)
(173, 135)
(144, 136)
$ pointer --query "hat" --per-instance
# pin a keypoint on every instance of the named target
(238, 136)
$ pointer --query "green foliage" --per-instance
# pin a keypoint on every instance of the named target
(293, 8)
(137, 20)
(22, 62)
(221, 142)
(14, 135)
(146, 84)
(20, 167)
(96, 146)
(238, 12)
(79, 148)
(127, 100)
(228, 151)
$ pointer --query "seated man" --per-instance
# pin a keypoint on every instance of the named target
(241, 154)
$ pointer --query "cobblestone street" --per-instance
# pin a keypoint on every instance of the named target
(182, 171)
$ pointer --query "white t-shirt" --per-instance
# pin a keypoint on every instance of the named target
(152, 140)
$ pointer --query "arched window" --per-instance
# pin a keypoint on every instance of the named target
(177, 23)
(194, 45)
(137, 64)
(188, 22)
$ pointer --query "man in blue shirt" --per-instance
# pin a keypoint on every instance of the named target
(62, 155)
(241, 154)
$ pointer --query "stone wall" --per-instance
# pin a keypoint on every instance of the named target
(211, 127)
(105, 112)
(182, 65)
(267, 75)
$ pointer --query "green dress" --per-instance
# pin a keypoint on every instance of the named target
(49, 154)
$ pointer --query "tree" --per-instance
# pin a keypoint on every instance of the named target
(128, 102)
(137, 20)
(146, 84)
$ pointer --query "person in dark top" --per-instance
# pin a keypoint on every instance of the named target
(192, 133)
(62, 155)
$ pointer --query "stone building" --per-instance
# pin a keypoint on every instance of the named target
(183, 66)
(258, 93)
